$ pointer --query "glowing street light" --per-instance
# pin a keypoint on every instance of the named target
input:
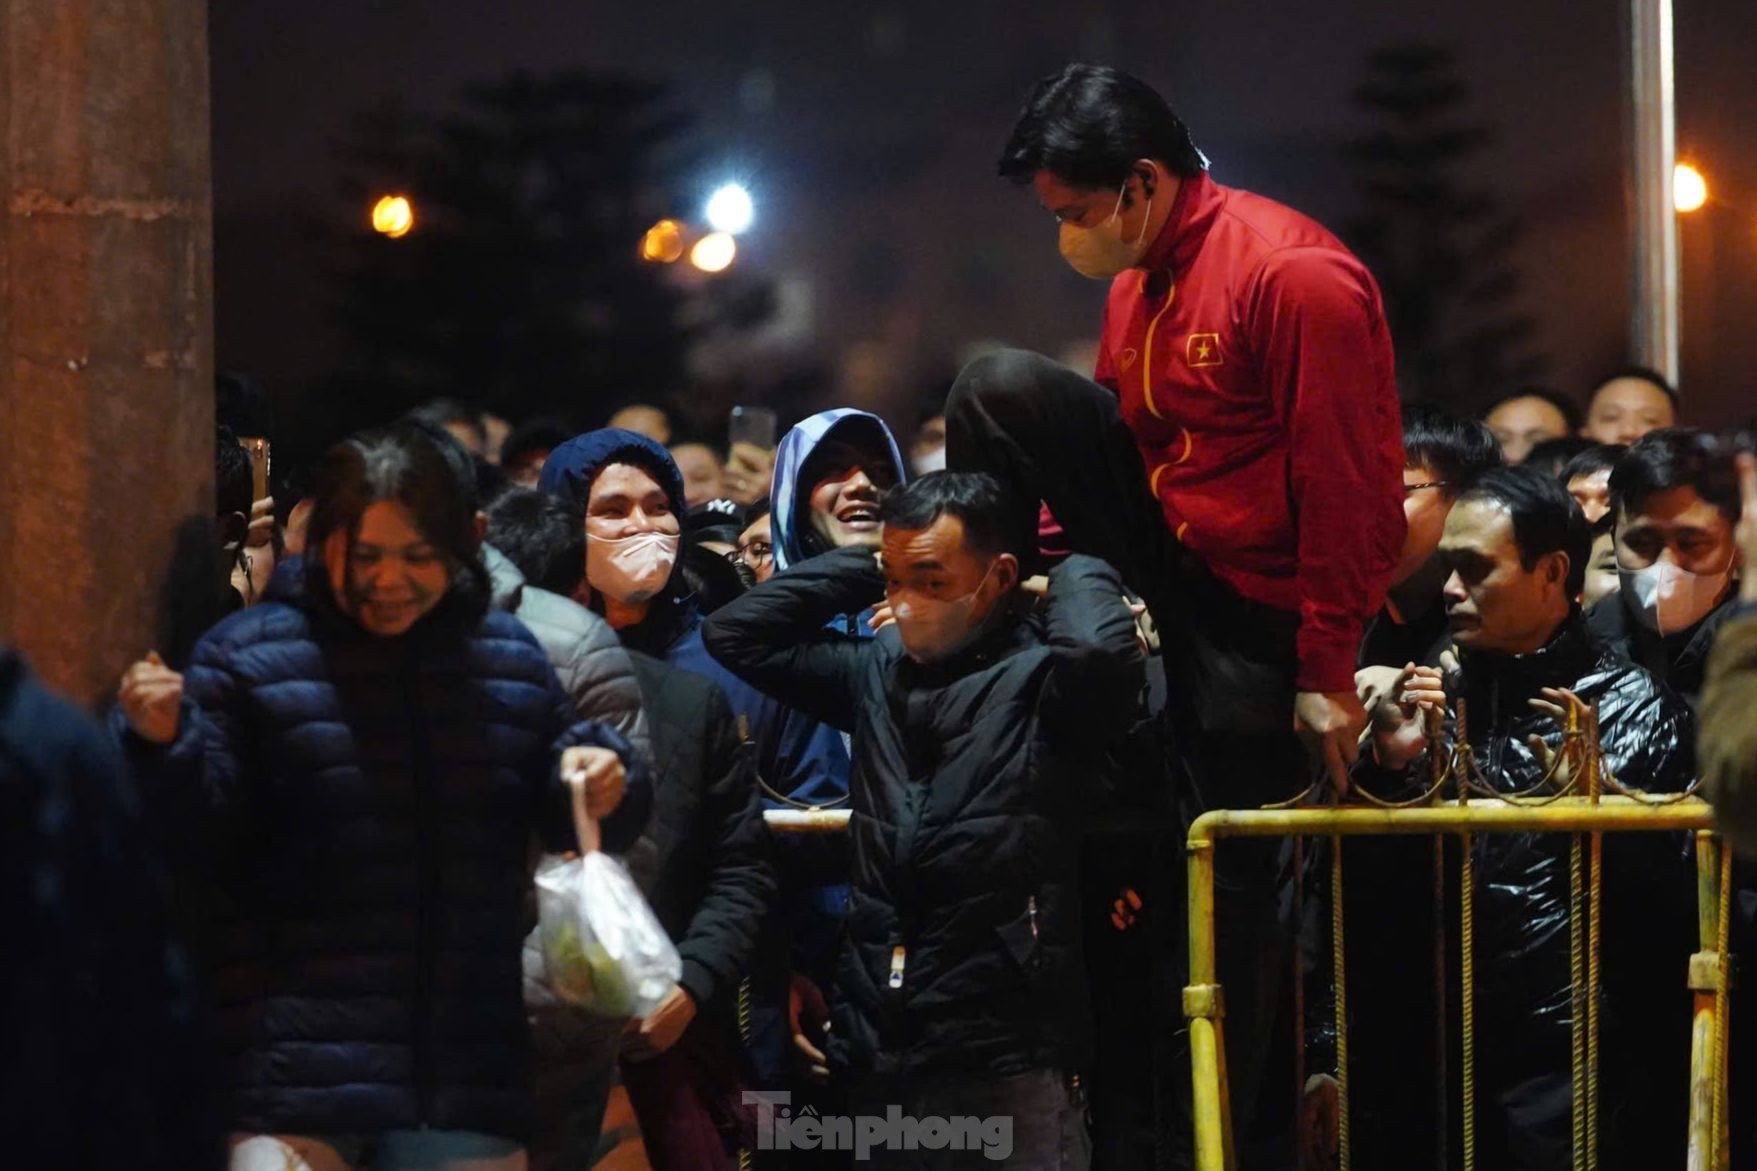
(393, 216)
(1689, 188)
(663, 243)
(714, 253)
(730, 210)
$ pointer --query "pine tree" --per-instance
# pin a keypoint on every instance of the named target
(1441, 248)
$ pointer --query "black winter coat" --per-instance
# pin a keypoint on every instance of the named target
(704, 860)
(1523, 880)
(373, 801)
(970, 775)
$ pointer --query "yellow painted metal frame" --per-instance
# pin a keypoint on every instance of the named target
(1591, 814)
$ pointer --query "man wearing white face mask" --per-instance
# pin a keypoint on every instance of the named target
(979, 727)
(1675, 499)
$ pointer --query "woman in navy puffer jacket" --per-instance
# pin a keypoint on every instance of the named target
(359, 764)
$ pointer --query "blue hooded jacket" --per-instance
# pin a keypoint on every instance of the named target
(796, 756)
(794, 537)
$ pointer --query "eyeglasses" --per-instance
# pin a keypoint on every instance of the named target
(1408, 488)
(754, 554)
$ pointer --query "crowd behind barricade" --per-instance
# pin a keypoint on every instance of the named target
(279, 912)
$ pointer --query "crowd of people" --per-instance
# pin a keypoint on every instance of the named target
(1020, 650)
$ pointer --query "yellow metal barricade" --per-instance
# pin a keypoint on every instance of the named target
(1578, 797)
(1476, 816)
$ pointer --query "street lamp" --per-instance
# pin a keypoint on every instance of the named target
(714, 253)
(393, 216)
(1689, 188)
(730, 210)
(663, 243)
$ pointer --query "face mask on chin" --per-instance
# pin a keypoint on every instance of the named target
(933, 630)
(1101, 253)
(633, 569)
(1668, 599)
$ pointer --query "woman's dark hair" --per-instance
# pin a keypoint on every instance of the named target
(976, 498)
(1677, 457)
(1456, 450)
(1600, 457)
(1545, 518)
(1569, 408)
(1089, 124)
(403, 464)
(541, 534)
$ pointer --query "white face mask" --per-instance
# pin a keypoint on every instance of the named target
(934, 629)
(632, 569)
(1101, 253)
(1668, 599)
(930, 461)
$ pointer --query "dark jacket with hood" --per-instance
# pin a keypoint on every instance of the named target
(371, 801)
(963, 940)
(794, 754)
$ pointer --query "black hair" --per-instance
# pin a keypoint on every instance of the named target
(1545, 518)
(1569, 408)
(234, 479)
(711, 578)
(1552, 455)
(458, 458)
(441, 412)
(1089, 124)
(1600, 457)
(532, 436)
(1645, 374)
(402, 463)
(240, 405)
(975, 498)
(757, 511)
(1456, 450)
(1677, 457)
(541, 534)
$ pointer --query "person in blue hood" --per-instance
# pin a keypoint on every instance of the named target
(830, 471)
(631, 493)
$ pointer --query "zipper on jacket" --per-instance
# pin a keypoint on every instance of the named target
(421, 767)
(899, 958)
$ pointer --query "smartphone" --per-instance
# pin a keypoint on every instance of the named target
(258, 449)
(752, 425)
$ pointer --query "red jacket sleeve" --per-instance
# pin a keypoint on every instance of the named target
(1327, 363)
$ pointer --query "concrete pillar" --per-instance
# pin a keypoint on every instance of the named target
(106, 334)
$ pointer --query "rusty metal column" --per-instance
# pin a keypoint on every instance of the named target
(1654, 304)
(106, 335)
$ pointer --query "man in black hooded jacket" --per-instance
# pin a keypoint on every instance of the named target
(977, 728)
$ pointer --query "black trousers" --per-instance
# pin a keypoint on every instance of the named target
(1051, 435)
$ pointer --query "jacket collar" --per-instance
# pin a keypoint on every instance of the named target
(1569, 656)
(1198, 204)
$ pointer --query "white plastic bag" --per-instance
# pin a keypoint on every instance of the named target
(603, 948)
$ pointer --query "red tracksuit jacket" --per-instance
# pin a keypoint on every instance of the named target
(1254, 367)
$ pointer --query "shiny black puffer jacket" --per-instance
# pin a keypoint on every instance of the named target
(1524, 999)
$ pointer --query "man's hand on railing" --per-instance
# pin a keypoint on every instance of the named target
(1556, 704)
(1399, 724)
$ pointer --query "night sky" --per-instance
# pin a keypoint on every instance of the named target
(868, 134)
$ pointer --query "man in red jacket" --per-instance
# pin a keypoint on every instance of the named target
(1237, 455)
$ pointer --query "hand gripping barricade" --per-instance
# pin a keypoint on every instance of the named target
(1577, 796)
